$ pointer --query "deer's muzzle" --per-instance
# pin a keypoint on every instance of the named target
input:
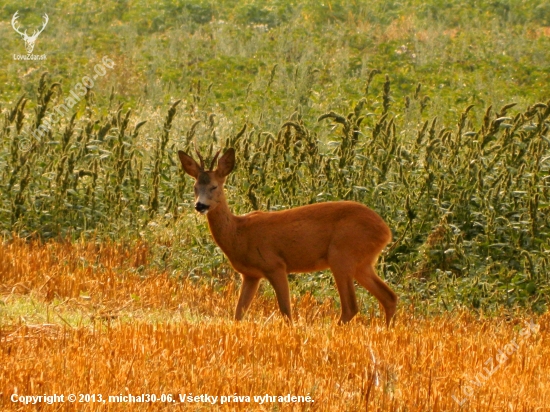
(201, 207)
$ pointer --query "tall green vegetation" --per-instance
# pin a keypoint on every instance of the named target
(465, 201)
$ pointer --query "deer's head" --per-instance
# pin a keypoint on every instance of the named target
(208, 183)
(29, 40)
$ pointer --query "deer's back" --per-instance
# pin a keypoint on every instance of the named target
(304, 237)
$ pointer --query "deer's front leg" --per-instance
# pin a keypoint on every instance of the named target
(279, 281)
(249, 288)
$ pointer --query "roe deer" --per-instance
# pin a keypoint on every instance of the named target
(344, 236)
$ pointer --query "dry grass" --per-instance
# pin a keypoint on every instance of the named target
(82, 318)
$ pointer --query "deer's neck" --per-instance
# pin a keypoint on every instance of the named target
(223, 226)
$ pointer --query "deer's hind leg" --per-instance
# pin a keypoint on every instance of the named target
(367, 277)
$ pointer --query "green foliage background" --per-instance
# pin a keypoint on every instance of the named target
(433, 113)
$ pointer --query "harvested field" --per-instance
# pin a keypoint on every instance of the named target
(69, 327)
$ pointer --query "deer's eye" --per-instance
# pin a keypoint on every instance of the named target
(213, 188)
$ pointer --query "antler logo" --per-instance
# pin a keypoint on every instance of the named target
(29, 40)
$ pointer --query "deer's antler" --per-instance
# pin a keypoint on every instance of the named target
(46, 20)
(14, 20)
(200, 158)
(35, 34)
(214, 160)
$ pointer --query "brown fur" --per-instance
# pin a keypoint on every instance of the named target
(346, 237)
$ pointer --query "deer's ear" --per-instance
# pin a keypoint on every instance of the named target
(226, 163)
(189, 165)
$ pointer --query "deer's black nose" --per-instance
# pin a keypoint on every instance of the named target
(201, 207)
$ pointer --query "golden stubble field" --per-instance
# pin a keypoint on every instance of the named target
(82, 319)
